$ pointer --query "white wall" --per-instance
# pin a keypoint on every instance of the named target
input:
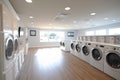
(34, 41)
(107, 27)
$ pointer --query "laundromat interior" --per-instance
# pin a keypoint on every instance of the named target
(59, 39)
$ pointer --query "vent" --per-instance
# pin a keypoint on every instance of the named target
(61, 16)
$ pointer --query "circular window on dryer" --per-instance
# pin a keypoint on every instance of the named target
(77, 47)
(97, 54)
(72, 46)
(113, 60)
(85, 50)
(9, 48)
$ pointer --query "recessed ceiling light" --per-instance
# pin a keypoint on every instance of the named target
(106, 18)
(31, 17)
(67, 8)
(28, 1)
(92, 14)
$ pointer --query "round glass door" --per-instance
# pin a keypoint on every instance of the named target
(60, 43)
(72, 45)
(96, 54)
(85, 50)
(9, 49)
(78, 49)
(113, 60)
(63, 44)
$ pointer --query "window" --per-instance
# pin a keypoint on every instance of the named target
(100, 32)
(114, 31)
(89, 33)
(51, 36)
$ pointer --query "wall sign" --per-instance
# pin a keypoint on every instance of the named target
(70, 34)
(32, 32)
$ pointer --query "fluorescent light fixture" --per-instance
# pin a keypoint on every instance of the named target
(31, 17)
(67, 8)
(28, 1)
(92, 14)
(106, 18)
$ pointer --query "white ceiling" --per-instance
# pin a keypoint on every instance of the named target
(51, 14)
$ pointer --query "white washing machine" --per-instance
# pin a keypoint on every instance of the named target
(62, 45)
(100, 39)
(78, 49)
(20, 58)
(112, 61)
(65, 45)
(86, 51)
(16, 61)
(72, 47)
(97, 56)
(110, 39)
(6, 56)
(93, 38)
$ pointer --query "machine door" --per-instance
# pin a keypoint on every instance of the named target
(97, 54)
(113, 59)
(9, 47)
(78, 48)
(85, 50)
(61, 43)
(72, 46)
(16, 44)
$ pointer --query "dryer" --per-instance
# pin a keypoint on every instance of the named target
(61, 45)
(97, 56)
(16, 61)
(78, 49)
(112, 61)
(72, 47)
(65, 45)
(6, 56)
(86, 51)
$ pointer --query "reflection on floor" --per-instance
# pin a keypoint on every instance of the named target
(53, 64)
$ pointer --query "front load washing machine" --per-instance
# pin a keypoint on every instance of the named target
(86, 51)
(112, 61)
(65, 45)
(72, 47)
(97, 56)
(61, 45)
(16, 61)
(6, 56)
(78, 48)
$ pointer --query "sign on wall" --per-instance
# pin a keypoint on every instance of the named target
(32, 32)
(70, 34)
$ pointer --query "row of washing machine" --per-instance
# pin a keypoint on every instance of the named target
(11, 58)
(112, 39)
(105, 57)
(65, 45)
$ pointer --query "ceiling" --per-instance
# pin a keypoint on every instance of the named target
(51, 14)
